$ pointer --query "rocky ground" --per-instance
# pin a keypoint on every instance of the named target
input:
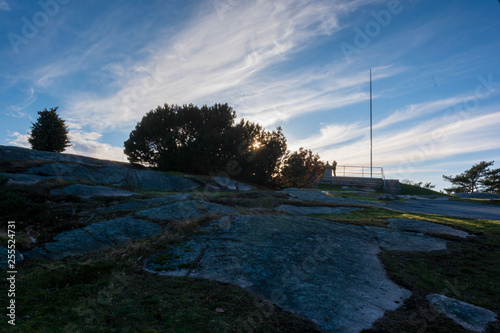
(336, 261)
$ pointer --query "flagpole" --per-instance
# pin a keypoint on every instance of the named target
(371, 133)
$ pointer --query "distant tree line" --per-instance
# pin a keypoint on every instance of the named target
(208, 140)
(427, 185)
(479, 178)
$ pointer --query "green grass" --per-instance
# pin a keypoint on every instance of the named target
(416, 190)
(494, 202)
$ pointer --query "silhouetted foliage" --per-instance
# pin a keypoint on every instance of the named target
(478, 178)
(301, 169)
(427, 185)
(206, 140)
(49, 133)
(491, 181)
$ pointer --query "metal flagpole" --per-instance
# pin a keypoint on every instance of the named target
(371, 136)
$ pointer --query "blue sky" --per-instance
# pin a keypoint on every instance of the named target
(301, 65)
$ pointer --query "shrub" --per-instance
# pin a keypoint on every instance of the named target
(301, 169)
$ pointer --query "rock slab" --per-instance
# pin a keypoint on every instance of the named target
(96, 236)
(325, 271)
(185, 209)
(469, 316)
(299, 210)
(86, 191)
(118, 176)
(426, 227)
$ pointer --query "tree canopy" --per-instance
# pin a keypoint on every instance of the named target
(478, 178)
(207, 140)
(49, 133)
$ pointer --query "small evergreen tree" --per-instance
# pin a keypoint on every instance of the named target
(49, 133)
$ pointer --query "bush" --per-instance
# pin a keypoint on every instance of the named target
(301, 169)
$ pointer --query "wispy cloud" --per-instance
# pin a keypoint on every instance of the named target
(17, 111)
(421, 110)
(406, 149)
(215, 60)
(4, 5)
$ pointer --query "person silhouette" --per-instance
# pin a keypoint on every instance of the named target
(334, 167)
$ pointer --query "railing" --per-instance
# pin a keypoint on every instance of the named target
(356, 171)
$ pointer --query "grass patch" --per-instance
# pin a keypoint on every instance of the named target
(467, 270)
(407, 189)
(494, 202)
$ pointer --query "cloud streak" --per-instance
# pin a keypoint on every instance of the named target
(215, 60)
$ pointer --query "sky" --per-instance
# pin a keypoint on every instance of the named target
(301, 65)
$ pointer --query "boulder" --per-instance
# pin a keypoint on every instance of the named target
(232, 185)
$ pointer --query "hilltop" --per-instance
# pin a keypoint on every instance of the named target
(108, 246)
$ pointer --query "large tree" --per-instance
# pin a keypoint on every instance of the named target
(49, 133)
(206, 140)
(477, 178)
(180, 138)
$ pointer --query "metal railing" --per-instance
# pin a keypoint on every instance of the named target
(356, 171)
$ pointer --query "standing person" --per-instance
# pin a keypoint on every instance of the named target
(334, 167)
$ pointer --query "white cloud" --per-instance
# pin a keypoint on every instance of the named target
(83, 143)
(86, 144)
(18, 139)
